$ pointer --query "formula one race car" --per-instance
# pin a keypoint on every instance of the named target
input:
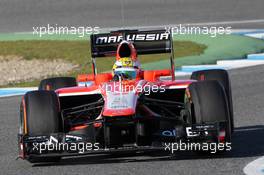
(128, 109)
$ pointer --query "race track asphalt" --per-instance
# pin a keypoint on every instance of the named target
(248, 142)
(22, 16)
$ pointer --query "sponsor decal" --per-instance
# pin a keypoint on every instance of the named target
(169, 133)
(190, 133)
(133, 37)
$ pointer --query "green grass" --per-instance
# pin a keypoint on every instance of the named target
(78, 52)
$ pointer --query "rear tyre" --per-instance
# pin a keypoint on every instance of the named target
(57, 82)
(40, 116)
(223, 78)
(209, 105)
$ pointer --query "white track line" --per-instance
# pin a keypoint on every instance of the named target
(255, 168)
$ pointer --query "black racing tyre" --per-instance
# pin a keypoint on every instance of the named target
(40, 116)
(210, 104)
(223, 78)
(57, 82)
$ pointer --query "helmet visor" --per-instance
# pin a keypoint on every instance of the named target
(126, 74)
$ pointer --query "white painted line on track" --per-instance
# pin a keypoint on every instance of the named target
(255, 167)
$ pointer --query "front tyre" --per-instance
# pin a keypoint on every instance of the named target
(223, 78)
(40, 115)
(209, 105)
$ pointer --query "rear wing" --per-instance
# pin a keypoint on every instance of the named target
(145, 42)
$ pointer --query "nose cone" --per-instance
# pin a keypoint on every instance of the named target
(126, 49)
(120, 99)
(120, 104)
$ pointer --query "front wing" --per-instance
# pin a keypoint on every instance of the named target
(61, 144)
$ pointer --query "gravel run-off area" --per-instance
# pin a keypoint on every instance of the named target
(14, 69)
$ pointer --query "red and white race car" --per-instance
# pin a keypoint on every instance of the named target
(128, 109)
